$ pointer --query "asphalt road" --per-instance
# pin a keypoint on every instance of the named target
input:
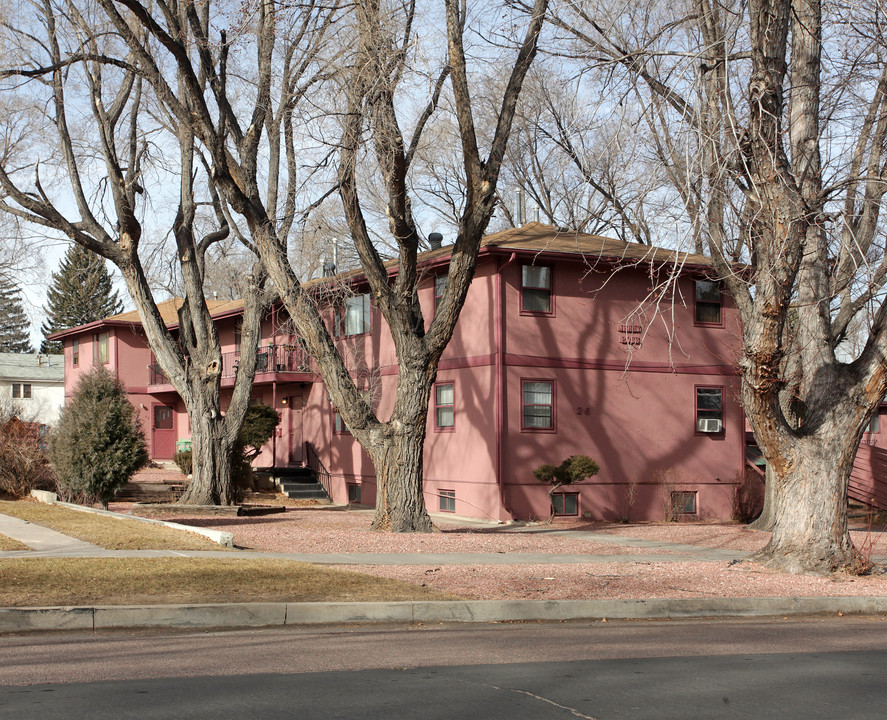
(813, 668)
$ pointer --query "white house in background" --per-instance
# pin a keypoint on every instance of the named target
(34, 384)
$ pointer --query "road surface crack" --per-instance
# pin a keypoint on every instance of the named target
(574, 711)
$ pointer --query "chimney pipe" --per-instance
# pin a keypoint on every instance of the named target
(435, 240)
(519, 208)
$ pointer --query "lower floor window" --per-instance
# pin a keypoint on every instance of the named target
(565, 503)
(684, 502)
(353, 493)
(448, 501)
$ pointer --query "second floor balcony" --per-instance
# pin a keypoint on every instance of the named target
(272, 361)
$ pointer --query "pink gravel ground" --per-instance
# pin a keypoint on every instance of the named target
(328, 531)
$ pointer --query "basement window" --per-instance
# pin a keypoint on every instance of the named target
(684, 502)
(448, 501)
(353, 493)
(565, 504)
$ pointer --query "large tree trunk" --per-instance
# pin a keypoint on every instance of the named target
(211, 464)
(398, 450)
(810, 531)
(400, 503)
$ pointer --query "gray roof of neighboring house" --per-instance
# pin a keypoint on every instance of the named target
(39, 368)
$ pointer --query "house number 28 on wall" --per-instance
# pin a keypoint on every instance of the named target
(583, 410)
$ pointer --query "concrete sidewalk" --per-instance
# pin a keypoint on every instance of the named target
(48, 543)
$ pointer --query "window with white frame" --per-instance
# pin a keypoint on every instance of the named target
(21, 391)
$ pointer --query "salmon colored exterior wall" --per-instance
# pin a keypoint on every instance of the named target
(629, 406)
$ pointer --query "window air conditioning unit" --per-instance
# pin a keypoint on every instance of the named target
(709, 425)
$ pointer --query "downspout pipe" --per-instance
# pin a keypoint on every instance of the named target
(500, 383)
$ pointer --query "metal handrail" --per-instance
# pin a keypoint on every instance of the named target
(271, 358)
(313, 461)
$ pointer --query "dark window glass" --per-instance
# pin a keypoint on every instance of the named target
(535, 289)
(708, 302)
(448, 501)
(565, 503)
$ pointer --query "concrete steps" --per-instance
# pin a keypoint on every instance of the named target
(298, 483)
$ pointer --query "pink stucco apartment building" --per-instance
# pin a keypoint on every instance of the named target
(568, 343)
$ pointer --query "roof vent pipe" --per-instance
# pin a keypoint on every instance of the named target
(435, 240)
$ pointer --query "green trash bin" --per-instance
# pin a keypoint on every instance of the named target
(183, 446)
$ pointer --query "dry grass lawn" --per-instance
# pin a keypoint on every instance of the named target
(7, 543)
(34, 582)
(104, 531)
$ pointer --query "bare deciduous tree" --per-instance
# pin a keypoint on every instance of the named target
(374, 95)
(98, 147)
(771, 119)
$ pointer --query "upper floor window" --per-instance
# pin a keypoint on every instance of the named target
(537, 405)
(21, 390)
(536, 296)
(874, 424)
(356, 315)
(440, 285)
(339, 426)
(709, 409)
(708, 302)
(444, 407)
(238, 332)
(100, 348)
(75, 352)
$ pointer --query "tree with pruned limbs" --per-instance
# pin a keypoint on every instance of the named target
(86, 129)
(770, 118)
(371, 95)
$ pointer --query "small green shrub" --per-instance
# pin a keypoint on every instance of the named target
(182, 458)
(98, 443)
(258, 427)
(574, 469)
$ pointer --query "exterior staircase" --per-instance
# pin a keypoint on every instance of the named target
(299, 483)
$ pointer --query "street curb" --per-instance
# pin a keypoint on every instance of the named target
(217, 536)
(14, 620)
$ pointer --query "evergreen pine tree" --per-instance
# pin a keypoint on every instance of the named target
(81, 292)
(14, 324)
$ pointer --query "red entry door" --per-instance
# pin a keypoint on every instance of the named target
(295, 429)
(163, 434)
